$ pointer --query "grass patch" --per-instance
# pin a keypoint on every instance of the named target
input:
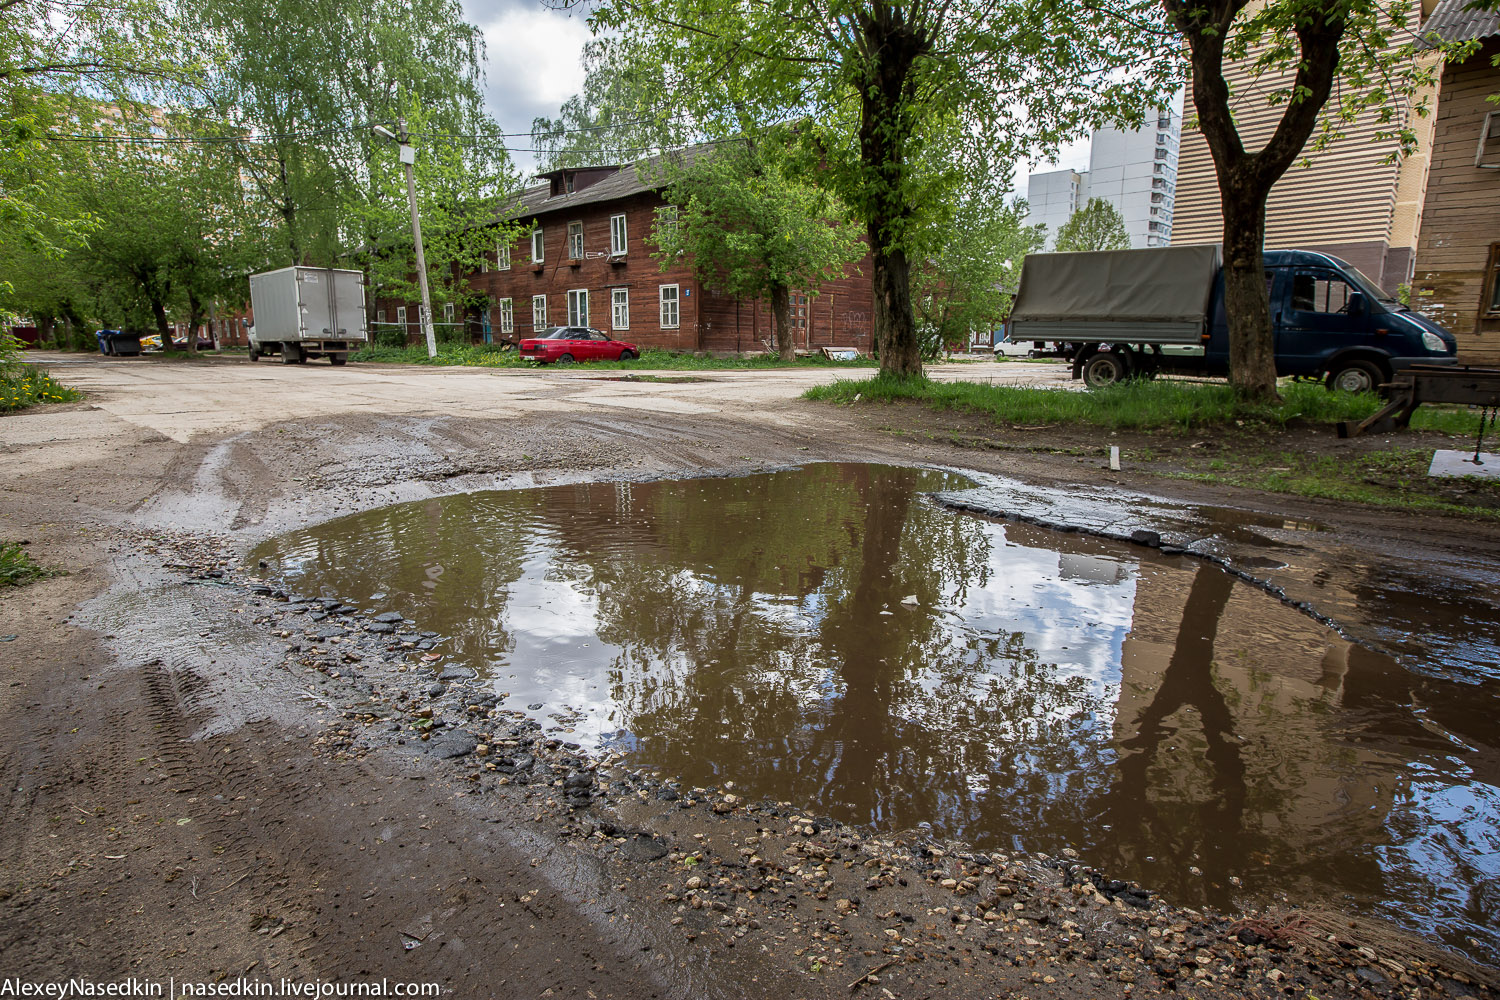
(17, 567)
(1135, 405)
(23, 385)
(1392, 478)
(492, 356)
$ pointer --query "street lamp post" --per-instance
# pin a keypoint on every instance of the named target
(408, 160)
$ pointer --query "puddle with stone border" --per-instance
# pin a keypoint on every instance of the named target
(832, 637)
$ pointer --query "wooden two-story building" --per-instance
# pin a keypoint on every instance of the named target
(1457, 279)
(585, 259)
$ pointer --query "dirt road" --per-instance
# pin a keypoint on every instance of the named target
(187, 794)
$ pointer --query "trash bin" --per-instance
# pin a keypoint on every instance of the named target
(117, 343)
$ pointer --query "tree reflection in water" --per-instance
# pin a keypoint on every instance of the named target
(829, 637)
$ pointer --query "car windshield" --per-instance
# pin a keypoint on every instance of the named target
(555, 333)
(1369, 287)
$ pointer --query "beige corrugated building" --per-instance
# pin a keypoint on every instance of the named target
(1352, 199)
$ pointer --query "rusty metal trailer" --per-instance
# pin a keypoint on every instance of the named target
(1465, 386)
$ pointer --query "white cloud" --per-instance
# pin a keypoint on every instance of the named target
(533, 62)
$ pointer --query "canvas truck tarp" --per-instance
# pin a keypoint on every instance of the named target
(1161, 295)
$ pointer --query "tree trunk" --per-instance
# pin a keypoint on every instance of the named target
(1245, 178)
(159, 312)
(885, 129)
(895, 323)
(1247, 303)
(45, 322)
(195, 314)
(781, 316)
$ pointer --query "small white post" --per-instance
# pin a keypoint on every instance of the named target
(1114, 458)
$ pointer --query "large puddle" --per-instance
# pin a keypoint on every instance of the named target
(831, 637)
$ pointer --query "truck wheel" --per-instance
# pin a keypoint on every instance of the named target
(338, 359)
(254, 354)
(1103, 369)
(1356, 376)
(291, 354)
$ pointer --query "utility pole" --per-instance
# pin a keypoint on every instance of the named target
(408, 160)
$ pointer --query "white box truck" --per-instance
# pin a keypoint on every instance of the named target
(308, 312)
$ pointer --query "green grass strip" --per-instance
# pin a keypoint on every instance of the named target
(1137, 404)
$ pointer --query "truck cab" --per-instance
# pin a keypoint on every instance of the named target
(1332, 322)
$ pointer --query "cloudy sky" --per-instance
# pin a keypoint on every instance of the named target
(532, 67)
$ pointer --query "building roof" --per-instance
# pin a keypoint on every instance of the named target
(649, 174)
(1459, 21)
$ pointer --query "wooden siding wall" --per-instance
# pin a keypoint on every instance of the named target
(841, 315)
(1462, 214)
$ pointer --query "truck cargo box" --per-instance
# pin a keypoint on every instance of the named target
(296, 304)
(1160, 296)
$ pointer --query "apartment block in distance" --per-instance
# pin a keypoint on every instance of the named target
(1135, 170)
(1353, 199)
(585, 259)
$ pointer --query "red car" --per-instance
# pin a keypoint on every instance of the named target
(567, 344)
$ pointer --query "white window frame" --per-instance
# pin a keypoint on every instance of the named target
(619, 307)
(538, 312)
(484, 263)
(618, 236)
(447, 312)
(380, 315)
(502, 256)
(576, 295)
(538, 246)
(669, 295)
(401, 315)
(575, 240)
(507, 316)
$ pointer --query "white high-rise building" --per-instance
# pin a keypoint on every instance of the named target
(1135, 171)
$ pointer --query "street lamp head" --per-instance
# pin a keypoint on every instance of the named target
(384, 132)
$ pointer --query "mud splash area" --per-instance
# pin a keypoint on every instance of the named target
(835, 638)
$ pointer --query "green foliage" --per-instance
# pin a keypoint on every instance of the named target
(900, 107)
(17, 567)
(616, 118)
(751, 231)
(970, 269)
(1136, 404)
(1096, 226)
(276, 96)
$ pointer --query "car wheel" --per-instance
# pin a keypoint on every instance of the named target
(1356, 376)
(1103, 369)
(627, 355)
(565, 359)
(1001, 357)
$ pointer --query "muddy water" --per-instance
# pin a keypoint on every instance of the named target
(832, 638)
